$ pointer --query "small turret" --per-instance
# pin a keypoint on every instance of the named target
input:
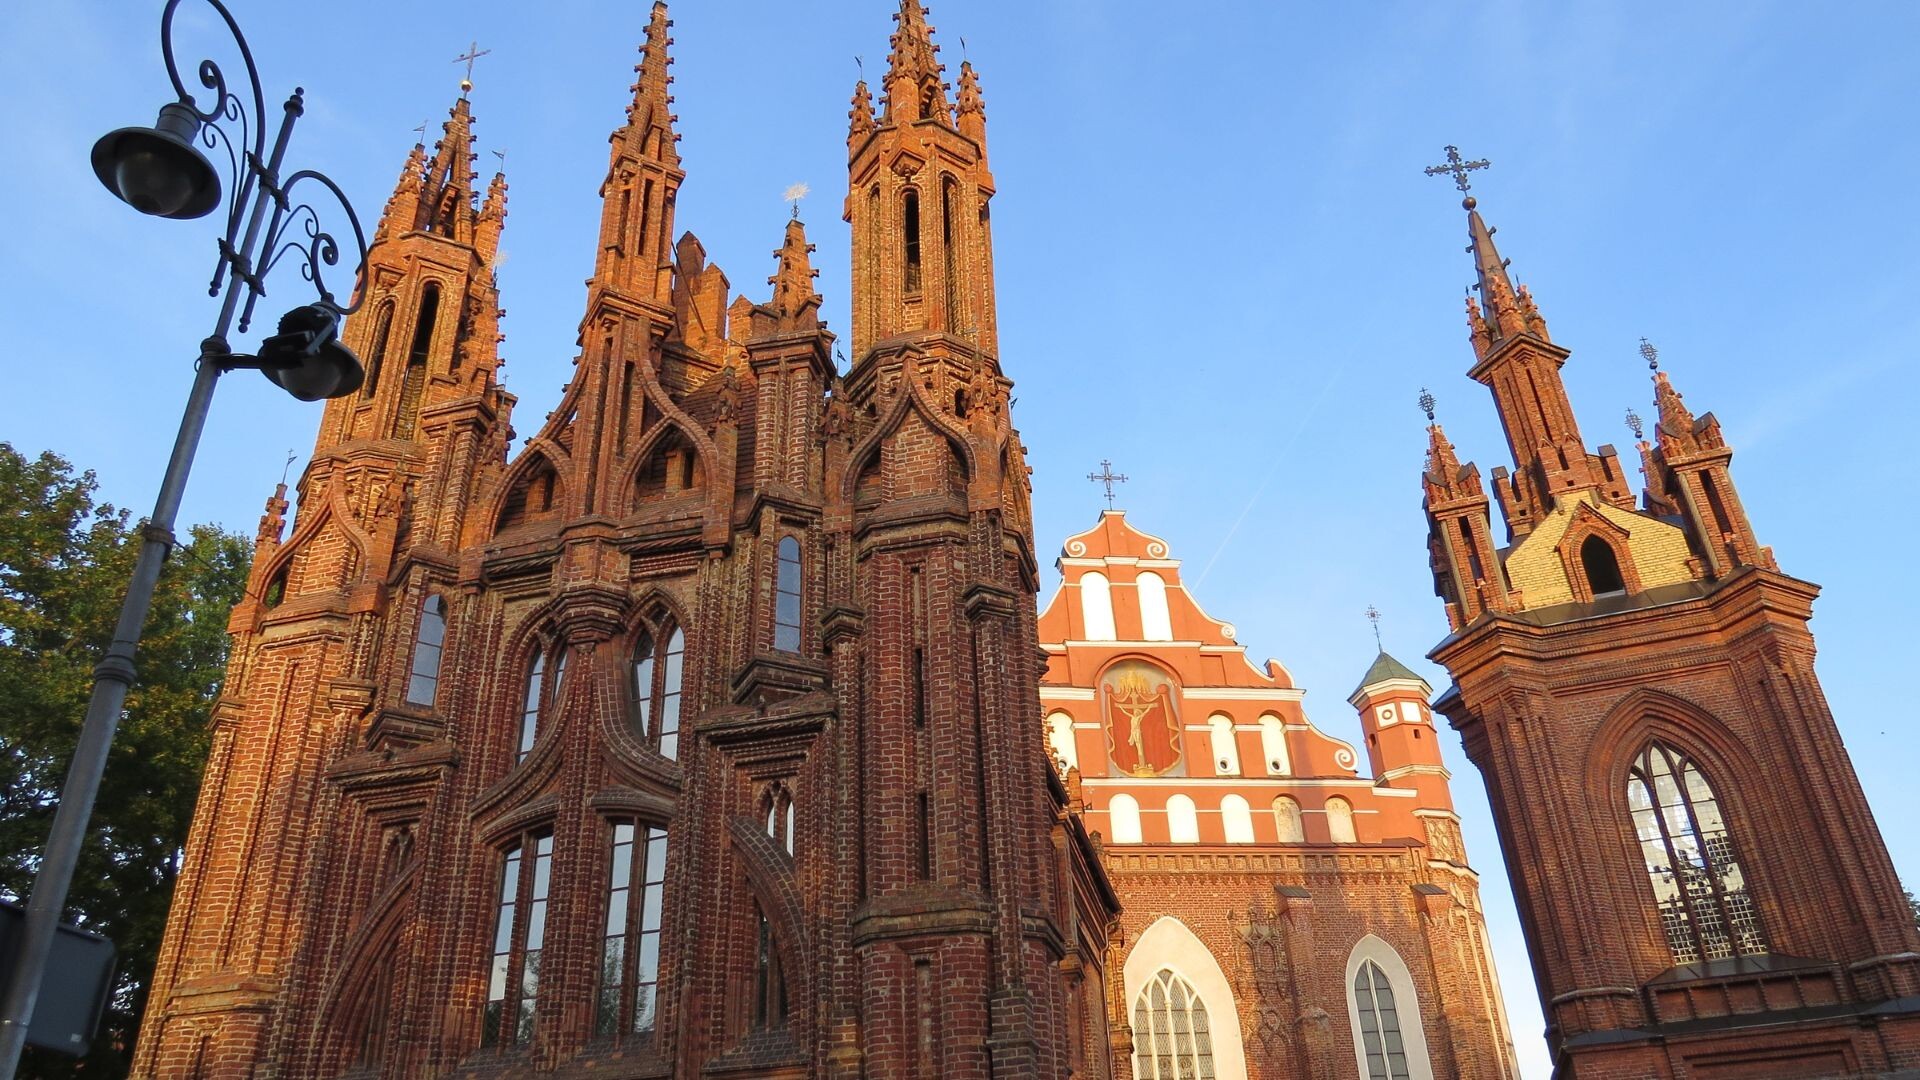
(1402, 747)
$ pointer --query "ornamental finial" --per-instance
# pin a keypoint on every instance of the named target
(1459, 169)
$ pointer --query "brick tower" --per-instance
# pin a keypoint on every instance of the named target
(1283, 914)
(697, 737)
(1702, 885)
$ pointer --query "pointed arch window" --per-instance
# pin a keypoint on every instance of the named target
(1172, 1034)
(769, 981)
(1699, 888)
(628, 1001)
(779, 808)
(659, 664)
(424, 679)
(382, 327)
(786, 597)
(542, 697)
(414, 384)
(519, 940)
(1602, 566)
(1381, 1040)
(910, 231)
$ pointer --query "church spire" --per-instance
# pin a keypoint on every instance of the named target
(643, 179)
(793, 296)
(402, 214)
(913, 86)
(448, 195)
(860, 117)
(650, 119)
(970, 110)
(1690, 464)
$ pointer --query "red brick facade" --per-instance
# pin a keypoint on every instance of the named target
(1253, 861)
(698, 737)
(1702, 885)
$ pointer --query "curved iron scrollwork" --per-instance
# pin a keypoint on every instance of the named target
(228, 124)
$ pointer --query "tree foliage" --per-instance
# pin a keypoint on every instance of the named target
(64, 566)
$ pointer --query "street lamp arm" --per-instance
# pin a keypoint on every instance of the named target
(319, 248)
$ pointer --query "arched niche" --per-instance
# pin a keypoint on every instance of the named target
(1170, 943)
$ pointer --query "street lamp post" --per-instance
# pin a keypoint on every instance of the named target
(162, 171)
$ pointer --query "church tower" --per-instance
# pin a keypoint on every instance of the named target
(697, 737)
(1702, 885)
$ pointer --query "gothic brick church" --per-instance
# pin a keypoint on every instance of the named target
(716, 731)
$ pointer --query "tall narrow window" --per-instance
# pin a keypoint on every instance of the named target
(910, 227)
(1340, 821)
(1273, 745)
(1183, 821)
(425, 678)
(779, 806)
(1602, 566)
(630, 952)
(1096, 606)
(949, 255)
(769, 983)
(416, 376)
(519, 939)
(786, 597)
(383, 325)
(1156, 623)
(530, 706)
(1236, 819)
(1060, 740)
(1286, 820)
(1698, 886)
(1380, 1038)
(1123, 819)
(1172, 1036)
(657, 675)
(1226, 754)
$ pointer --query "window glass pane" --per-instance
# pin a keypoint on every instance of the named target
(643, 687)
(1700, 891)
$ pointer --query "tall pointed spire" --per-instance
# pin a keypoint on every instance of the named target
(913, 86)
(860, 117)
(970, 110)
(649, 128)
(448, 198)
(1509, 312)
(793, 295)
(493, 215)
(643, 178)
(402, 214)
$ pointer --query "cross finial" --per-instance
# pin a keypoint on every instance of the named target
(1427, 403)
(1634, 425)
(1650, 354)
(794, 193)
(1373, 616)
(474, 52)
(1106, 477)
(1459, 169)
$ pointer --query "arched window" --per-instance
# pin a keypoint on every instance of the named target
(1226, 753)
(1123, 819)
(427, 643)
(382, 327)
(1286, 819)
(910, 230)
(519, 938)
(541, 697)
(786, 597)
(1183, 821)
(1602, 565)
(1156, 624)
(1380, 1038)
(630, 952)
(415, 381)
(769, 982)
(1096, 606)
(1236, 817)
(778, 804)
(1273, 745)
(1172, 1037)
(1340, 821)
(656, 687)
(1698, 887)
(1060, 741)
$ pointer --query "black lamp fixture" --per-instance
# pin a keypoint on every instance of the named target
(306, 358)
(158, 170)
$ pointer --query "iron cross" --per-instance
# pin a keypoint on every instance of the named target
(1107, 478)
(1457, 167)
(474, 52)
(1373, 616)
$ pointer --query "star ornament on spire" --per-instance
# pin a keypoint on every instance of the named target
(793, 194)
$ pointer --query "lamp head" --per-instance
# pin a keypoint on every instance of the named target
(306, 358)
(158, 170)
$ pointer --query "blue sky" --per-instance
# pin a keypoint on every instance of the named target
(1219, 265)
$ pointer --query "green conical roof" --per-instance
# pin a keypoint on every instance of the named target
(1385, 668)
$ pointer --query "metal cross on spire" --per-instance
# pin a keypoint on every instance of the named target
(1107, 478)
(1458, 168)
(1650, 354)
(1373, 616)
(474, 52)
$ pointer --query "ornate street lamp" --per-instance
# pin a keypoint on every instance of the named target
(165, 171)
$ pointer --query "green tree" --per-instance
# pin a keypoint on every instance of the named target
(64, 566)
